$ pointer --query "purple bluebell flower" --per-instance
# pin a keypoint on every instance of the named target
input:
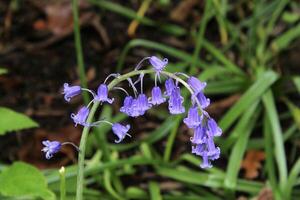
(212, 150)
(51, 148)
(195, 84)
(126, 108)
(143, 103)
(213, 127)
(71, 91)
(170, 86)
(102, 94)
(198, 149)
(157, 97)
(199, 135)
(81, 116)
(175, 102)
(120, 131)
(158, 64)
(206, 164)
(193, 119)
(204, 102)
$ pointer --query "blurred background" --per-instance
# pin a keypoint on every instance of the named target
(246, 51)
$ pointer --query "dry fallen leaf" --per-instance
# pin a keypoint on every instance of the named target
(183, 10)
(252, 163)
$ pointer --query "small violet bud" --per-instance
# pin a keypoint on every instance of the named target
(51, 148)
(120, 131)
(102, 94)
(158, 64)
(213, 128)
(170, 86)
(175, 102)
(71, 91)
(193, 119)
(195, 84)
(157, 97)
(81, 116)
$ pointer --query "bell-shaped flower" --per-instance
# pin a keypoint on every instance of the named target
(175, 102)
(200, 136)
(213, 127)
(102, 94)
(157, 63)
(170, 86)
(126, 108)
(195, 84)
(157, 97)
(193, 119)
(51, 147)
(142, 104)
(206, 164)
(81, 116)
(204, 102)
(120, 131)
(212, 150)
(71, 91)
(198, 149)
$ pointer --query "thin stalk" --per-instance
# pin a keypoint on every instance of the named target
(86, 129)
(62, 174)
(79, 54)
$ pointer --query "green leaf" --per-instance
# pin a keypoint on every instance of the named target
(24, 180)
(296, 81)
(240, 146)
(13, 121)
(249, 97)
(3, 71)
(154, 191)
(272, 115)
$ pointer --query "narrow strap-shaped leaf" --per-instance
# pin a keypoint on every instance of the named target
(254, 93)
(280, 157)
(240, 146)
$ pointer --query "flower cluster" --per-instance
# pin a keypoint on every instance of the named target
(204, 127)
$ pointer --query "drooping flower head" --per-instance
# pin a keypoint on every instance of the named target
(102, 94)
(120, 131)
(71, 91)
(175, 102)
(51, 147)
(193, 119)
(81, 116)
(195, 84)
(170, 86)
(156, 97)
(158, 64)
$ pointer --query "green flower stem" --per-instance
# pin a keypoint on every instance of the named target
(79, 54)
(62, 173)
(116, 81)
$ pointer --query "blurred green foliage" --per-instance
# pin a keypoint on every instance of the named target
(257, 80)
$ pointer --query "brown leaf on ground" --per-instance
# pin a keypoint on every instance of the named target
(183, 10)
(218, 107)
(252, 163)
(265, 194)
